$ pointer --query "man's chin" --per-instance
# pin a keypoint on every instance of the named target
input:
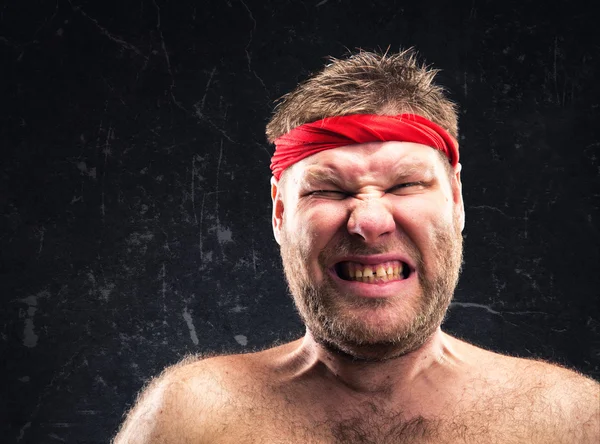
(375, 346)
(373, 352)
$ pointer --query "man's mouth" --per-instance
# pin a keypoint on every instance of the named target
(372, 273)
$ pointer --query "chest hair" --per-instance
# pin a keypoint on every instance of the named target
(374, 424)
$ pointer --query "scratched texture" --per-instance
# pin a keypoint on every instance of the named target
(134, 199)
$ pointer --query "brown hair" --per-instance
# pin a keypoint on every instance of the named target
(366, 83)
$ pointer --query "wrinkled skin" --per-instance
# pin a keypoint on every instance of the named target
(390, 199)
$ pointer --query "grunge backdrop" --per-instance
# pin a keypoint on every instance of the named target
(134, 184)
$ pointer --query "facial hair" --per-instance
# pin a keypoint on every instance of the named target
(328, 315)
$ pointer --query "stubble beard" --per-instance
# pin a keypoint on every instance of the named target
(328, 315)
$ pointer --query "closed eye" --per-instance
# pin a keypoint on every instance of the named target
(329, 194)
(402, 186)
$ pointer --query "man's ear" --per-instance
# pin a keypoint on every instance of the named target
(459, 206)
(277, 200)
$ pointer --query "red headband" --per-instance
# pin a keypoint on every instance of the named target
(333, 132)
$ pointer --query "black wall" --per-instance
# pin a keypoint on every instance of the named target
(134, 184)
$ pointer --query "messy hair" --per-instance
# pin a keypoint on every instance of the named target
(366, 83)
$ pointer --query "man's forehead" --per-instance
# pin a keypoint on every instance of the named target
(346, 161)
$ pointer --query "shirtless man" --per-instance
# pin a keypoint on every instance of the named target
(368, 212)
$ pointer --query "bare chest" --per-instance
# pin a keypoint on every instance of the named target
(288, 422)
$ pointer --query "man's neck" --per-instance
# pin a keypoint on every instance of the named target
(436, 358)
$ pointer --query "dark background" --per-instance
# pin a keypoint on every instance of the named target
(134, 184)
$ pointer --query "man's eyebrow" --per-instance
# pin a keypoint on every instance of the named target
(329, 176)
(405, 170)
(321, 175)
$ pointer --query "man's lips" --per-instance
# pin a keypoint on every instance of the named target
(375, 269)
(381, 272)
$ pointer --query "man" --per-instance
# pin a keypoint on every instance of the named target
(368, 211)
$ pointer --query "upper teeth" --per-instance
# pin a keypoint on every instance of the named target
(385, 271)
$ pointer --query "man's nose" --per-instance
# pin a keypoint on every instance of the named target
(371, 219)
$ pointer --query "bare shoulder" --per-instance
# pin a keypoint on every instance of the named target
(174, 406)
(188, 401)
(564, 402)
(571, 398)
(551, 379)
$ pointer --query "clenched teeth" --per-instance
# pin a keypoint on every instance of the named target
(384, 272)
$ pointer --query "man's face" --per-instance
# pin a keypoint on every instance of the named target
(371, 244)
